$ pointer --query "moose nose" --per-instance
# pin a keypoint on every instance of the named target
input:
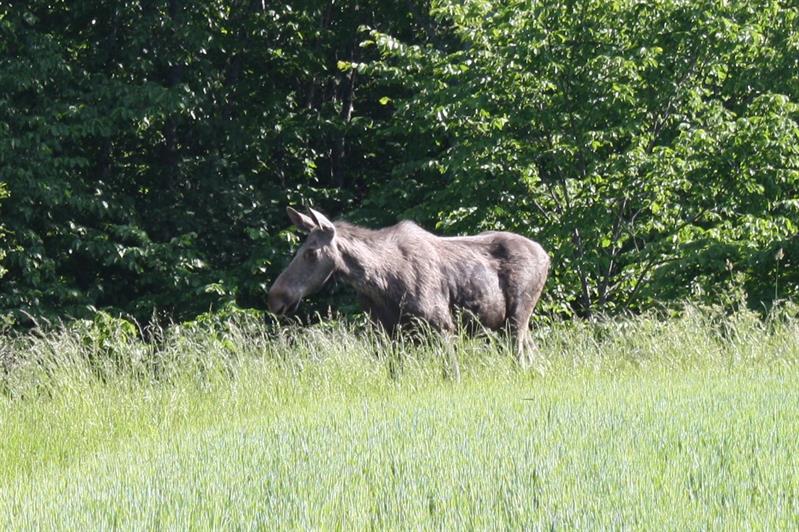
(277, 300)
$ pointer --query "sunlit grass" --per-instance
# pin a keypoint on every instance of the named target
(682, 423)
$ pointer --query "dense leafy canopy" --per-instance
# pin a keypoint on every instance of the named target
(150, 147)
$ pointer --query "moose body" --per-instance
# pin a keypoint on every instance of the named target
(403, 272)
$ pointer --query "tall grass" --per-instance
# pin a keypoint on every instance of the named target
(643, 422)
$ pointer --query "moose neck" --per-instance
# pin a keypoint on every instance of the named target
(363, 266)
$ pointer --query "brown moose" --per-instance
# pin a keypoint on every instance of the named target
(403, 271)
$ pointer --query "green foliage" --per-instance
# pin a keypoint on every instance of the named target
(150, 149)
(653, 148)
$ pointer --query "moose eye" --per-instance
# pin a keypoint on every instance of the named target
(311, 254)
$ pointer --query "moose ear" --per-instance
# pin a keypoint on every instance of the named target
(303, 223)
(322, 222)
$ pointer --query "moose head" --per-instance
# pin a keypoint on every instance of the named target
(312, 266)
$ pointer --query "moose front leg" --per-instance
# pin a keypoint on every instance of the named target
(443, 322)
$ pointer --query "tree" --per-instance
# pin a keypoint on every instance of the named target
(151, 147)
(651, 147)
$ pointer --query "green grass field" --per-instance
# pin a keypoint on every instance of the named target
(685, 423)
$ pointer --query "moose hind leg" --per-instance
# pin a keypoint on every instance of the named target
(521, 344)
(519, 326)
(519, 315)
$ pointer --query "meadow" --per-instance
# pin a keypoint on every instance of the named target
(648, 422)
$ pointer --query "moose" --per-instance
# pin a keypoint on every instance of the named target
(404, 272)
